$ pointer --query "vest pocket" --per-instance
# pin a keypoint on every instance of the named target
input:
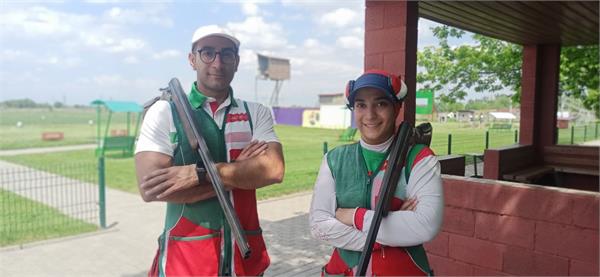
(395, 262)
(336, 266)
(194, 255)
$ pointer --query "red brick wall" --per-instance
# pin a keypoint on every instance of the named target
(501, 228)
(391, 44)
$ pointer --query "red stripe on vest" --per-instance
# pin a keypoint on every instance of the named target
(234, 154)
(245, 207)
(337, 266)
(359, 218)
(425, 152)
(393, 261)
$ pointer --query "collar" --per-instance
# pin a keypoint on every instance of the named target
(380, 148)
(197, 98)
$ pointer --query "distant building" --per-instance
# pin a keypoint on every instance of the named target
(465, 115)
(332, 99)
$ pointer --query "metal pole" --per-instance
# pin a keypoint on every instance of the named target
(449, 144)
(98, 126)
(572, 133)
(516, 135)
(102, 192)
(487, 139)
(584, 132)
(128, 122)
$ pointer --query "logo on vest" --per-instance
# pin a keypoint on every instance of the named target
(237, 117)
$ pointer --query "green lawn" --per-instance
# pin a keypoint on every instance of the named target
(74, 123)
(303, 150)
(23, 220)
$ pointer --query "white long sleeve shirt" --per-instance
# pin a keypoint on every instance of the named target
(399, 228)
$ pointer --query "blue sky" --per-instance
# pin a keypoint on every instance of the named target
(78, 51)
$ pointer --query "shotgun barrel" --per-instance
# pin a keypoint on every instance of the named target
(197, 143)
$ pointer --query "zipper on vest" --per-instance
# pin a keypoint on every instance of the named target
(415, 262)
(382, 251)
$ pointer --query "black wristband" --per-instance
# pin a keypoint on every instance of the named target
(201, 173)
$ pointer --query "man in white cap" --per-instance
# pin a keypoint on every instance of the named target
(196, 240)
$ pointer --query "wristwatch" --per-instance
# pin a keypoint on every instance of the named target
(201, 173)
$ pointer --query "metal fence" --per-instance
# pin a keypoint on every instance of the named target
(466, 143)
(578, 134)
(50, 201)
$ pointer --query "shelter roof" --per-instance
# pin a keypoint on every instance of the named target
(521, 22)
(119, 106)
(503, 115)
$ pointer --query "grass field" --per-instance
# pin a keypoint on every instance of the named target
(23, 220)
(303, 147)
(74, 123)
(303, 150)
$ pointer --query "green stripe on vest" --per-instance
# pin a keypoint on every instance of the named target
(353, 189)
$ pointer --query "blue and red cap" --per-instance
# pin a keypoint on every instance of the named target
(389, 83)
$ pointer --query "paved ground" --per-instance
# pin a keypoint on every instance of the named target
(127, 247)
(46, 149)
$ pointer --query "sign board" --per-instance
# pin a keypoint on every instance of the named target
(272, 68)
(424, 101)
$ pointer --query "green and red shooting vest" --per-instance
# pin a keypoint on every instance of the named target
(195, 233)
(354, 186)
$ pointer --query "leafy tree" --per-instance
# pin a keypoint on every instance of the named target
(489, 103)
(492, 65)
(444, 106)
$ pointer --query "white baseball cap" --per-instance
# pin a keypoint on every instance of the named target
(214, 30)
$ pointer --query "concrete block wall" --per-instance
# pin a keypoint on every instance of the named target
(502, 228)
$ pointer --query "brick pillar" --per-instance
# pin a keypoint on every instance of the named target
(391, 44)
(539, 94)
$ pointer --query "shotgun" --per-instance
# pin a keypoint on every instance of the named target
(197, 143)
(405, 137)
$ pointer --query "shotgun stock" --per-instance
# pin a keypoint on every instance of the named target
(197, 143)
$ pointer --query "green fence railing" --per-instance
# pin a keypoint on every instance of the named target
(49, 201)
(578, 134)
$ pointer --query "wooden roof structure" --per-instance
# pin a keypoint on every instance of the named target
(522, 22)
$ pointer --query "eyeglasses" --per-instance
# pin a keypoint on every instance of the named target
(209, 54)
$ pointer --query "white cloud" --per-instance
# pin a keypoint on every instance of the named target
(341, 17)
(311, 43)
(254, 32)
(125, 45)
(248, 59)
(39, 22)
(249, 8)
(349, 42)
(13, 55)
(105, 42)
(166, 54)
(72, 31)
(150, 13)
(314, 48)
(131, 60)
(103, 1)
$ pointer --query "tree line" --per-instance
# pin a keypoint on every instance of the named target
(28, 103)
(492, 65)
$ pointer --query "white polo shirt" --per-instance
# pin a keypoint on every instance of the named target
(158, 126)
